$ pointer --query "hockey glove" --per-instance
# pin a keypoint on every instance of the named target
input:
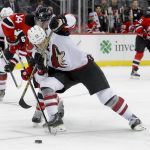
(25, 74)
(57, 23)
(11, 65)
(39, 60)
(53, 23)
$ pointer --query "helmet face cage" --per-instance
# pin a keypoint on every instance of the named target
(43, 14)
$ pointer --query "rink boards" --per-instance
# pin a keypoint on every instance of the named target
(110, 49)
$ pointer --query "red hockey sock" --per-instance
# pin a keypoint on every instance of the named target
(137, 59)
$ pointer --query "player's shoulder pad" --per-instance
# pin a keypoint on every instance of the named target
(8, 22)
(29, 20)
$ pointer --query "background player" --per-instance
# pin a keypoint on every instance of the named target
(142, 42)
(5, 12)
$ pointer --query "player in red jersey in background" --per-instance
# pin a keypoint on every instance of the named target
(15, 29)
(142, 41)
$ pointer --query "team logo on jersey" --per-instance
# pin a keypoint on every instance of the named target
(105, 46)
(57, 57)
(18, 19)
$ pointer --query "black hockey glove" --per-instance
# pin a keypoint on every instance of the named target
(57, 23)
(9, 67)
(39, 60)
(53, 23)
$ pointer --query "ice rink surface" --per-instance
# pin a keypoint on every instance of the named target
(90, 125)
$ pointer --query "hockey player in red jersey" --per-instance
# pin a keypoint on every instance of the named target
(73, 66)
(5, 12)
(15, 29)
(142, 42)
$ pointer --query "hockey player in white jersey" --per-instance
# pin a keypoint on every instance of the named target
(5, 12)
(68, 66)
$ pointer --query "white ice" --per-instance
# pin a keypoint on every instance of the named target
(90, 125)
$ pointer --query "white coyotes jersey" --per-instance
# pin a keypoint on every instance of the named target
(64, 54)
(1, 31)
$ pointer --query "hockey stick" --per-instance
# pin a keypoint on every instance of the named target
(22, 103)
(12, 75)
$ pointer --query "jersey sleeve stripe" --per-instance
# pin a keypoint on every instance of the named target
(8, 23)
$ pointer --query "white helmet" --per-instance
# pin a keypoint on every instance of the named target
(71, 21)
(6, 12)
(36, 35)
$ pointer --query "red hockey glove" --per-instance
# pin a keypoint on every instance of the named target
(25, 74)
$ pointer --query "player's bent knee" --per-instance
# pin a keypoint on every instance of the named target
(105, 95)
(52, 83)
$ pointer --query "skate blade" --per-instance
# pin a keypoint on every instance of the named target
(139, 127)
(134, 77)
(57, 130)
(35, 125)
(54, 130)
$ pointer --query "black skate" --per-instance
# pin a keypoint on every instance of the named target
(2, 94)
(37, 117)
(55, 125)
(61, 109)
(136, 124)
(135, 75)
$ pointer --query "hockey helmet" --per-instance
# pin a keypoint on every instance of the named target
(36, 35)
(43, 13)
(6, 12)
(67, 22)
(71, 21)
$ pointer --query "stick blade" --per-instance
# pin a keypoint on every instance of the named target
(23, 104)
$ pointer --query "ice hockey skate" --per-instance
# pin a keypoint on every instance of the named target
(2, 94)
(136, 124)
(134, 75)
(37, 117)
(55, 125)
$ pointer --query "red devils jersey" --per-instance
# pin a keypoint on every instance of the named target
(14, 25)
(143, 27)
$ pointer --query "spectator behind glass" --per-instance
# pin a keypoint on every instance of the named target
(102, 18)
(115, 21)
(97, 21)
(13, 4)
